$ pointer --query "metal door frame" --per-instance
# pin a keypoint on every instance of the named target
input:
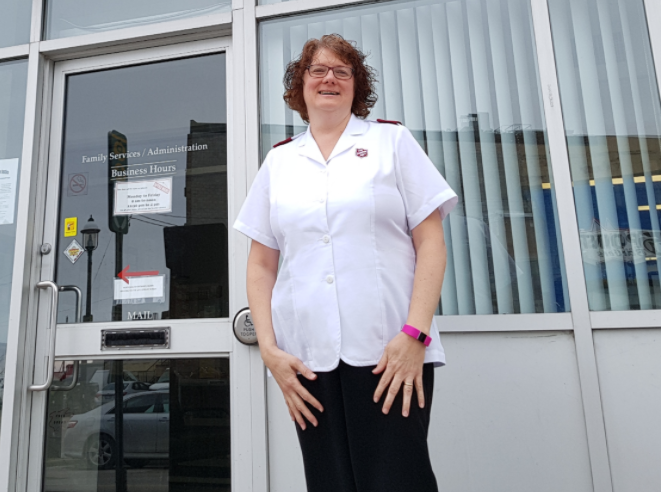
(83, 341)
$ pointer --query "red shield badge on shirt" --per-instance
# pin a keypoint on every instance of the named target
(361, 152)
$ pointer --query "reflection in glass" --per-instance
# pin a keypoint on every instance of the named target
(171, 432)
(612, 117)
(13, 80)
(144, 192)
(15, 22)
(462, 76)
(66, 18)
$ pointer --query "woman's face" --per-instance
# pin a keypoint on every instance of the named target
(327, 94)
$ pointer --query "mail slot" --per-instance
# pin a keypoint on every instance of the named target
(135, 338)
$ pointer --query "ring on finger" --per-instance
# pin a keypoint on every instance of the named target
(408, 384)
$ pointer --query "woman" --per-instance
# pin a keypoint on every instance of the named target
(355, 207)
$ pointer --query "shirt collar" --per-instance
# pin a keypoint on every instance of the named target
(309, 148)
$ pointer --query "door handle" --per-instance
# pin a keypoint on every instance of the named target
(55, 291)
(79, 319)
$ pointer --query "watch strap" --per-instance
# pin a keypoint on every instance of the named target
(417, 334)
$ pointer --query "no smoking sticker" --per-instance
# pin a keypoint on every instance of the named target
(77, 184)
(74, 251)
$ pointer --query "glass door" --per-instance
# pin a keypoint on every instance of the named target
(138, 378)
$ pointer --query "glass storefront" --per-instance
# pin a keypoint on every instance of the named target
(612, 117)
(66, 18)
(462, 76)
(135, 180)
(171, 432)
(15, 22)
(13, 79)
(144, 170)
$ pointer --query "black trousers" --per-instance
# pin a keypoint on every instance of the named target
(356, 448)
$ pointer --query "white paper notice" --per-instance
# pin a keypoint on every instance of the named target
(8, 184)
(140, 288)
(143, 197)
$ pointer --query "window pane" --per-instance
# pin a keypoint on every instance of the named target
(13, 80)
(173, 440)
(66, 18)
(15, 22)
(462, 76)
(610, 104)
(144, 157)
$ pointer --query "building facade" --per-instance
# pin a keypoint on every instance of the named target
(129, 138)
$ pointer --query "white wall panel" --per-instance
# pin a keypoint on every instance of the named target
(507, 415)
(285, 461)
(630, 379)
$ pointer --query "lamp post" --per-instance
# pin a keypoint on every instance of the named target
(90, 243)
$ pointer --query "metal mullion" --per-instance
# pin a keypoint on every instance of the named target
(36, 22)
(252, 109)
(250, 87)
(484, 323)
(13, 52)
(300, 6)
(21, 338)
(587, 366)
(625, 320)
(241, 410)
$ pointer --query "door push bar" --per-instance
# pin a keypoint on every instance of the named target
(79, 319)
(52, 326)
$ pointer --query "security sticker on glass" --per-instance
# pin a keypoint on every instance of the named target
(74, 251)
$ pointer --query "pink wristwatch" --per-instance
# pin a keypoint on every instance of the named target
(417, 334)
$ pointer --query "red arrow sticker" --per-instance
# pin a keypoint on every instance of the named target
(124, 274)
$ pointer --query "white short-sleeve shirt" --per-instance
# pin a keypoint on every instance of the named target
(342, 227)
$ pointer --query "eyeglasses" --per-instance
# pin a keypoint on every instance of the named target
(319, 71)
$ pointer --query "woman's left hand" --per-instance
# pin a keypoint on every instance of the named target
(401, 364)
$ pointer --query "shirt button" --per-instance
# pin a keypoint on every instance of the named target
(329, 279)
(326, 239)
(321, 200)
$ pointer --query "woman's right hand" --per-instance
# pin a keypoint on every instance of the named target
(284, 368)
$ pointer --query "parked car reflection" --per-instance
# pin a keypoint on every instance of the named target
(91, 435)
(108, 392)
(163, 382)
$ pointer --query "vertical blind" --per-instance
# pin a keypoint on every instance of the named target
(462, 76)
(610, 104)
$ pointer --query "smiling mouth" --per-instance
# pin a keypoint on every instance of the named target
(329, 93)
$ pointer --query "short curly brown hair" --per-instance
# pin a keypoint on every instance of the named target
(364, 76)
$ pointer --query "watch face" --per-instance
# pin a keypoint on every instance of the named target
(422, 337)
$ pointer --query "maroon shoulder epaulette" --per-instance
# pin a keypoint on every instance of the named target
(285, 141)
(392, 122)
